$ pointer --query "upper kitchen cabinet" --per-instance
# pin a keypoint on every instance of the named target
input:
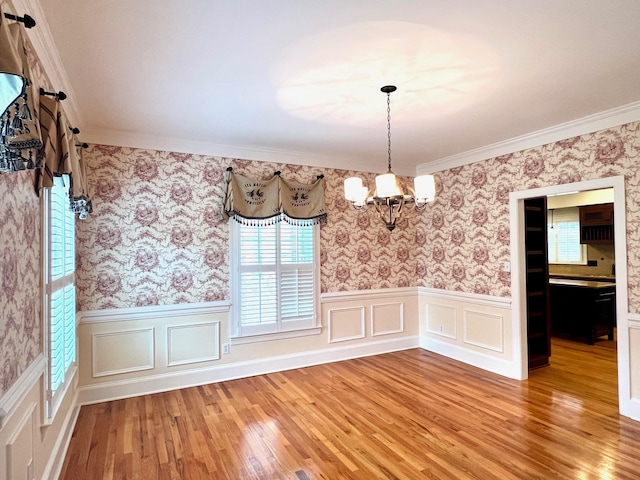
(596, 223)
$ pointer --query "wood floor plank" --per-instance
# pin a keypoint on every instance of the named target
(403, 415)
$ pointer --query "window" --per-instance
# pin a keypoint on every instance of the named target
(563, 228)
(275, 279)
(60, 292)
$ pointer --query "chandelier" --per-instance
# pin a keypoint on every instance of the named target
(389, 198)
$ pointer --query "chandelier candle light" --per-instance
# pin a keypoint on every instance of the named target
(389, 198)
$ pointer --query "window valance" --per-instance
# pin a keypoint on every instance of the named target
(62, 155)
(19, 126)
(265, 202)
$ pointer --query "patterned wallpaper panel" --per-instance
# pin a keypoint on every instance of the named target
(20, 330)
(157, 235)
(467, 227)
(20, 301)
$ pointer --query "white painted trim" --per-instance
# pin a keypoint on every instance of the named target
(376, 333)
(581, 126)
(29, 415)
(468, 341)
(94, 356)
(265, 337)
(363, 295)
(189, 378)
(518, 282)
(633, 318)
(152, 312)
(47, 52)
(474, 298)
(476, 359)
(170, 328)
(13, 397)
(247, 152)
(361, 308)
(56, 459)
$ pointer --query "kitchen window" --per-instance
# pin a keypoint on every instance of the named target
(275, 281)
(563, 237)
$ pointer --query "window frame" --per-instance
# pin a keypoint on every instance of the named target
(553, 247)
(260, 333)
(54, 398)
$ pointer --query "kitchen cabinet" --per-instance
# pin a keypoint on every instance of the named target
(582, 309)
(596, 224)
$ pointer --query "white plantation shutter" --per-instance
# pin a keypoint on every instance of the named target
(297, 279)
(275, 281)
(60, 291)
(563, 228)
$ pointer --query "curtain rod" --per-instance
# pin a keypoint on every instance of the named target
(28, 20)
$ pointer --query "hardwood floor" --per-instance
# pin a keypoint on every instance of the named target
(403, 415)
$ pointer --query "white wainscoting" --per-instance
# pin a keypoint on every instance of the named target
(194, 343)
(442, 320)
(181, 347)
(484, 330)
(387, 318)
(20, 447)
(485, 325)
(124, 351)
(346, 324)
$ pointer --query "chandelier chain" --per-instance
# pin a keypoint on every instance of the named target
(389, 128)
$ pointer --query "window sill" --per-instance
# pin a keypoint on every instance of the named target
(265, 337)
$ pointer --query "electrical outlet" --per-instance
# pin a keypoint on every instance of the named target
(442, 328)
(225, 349)
(506, 267)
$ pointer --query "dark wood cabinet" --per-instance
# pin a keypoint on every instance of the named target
(537, 278)
(582, 310)
(596, 224)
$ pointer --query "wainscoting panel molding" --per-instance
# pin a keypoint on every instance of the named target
(346, 324)
(484, 325)
(483, 330)
(387, 318)
(123, 352)
(198, 342)
(20, 447)
(442, 320)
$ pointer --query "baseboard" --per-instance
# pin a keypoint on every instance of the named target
(189, 378)
(476, 359)
(630, 408)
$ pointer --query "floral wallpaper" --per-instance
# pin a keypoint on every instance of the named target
(157, 235)
(20, 301)
(467, 227)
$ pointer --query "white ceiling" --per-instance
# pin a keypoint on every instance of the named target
(299, 81)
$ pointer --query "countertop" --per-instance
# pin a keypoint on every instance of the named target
(580, 283)
(598, 278)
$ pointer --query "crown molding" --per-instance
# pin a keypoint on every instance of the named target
(592, 123)
(121, 138)
(47, 52)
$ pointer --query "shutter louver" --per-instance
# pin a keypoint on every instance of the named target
(57, 339)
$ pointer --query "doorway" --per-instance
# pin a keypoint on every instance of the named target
(518, 279)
